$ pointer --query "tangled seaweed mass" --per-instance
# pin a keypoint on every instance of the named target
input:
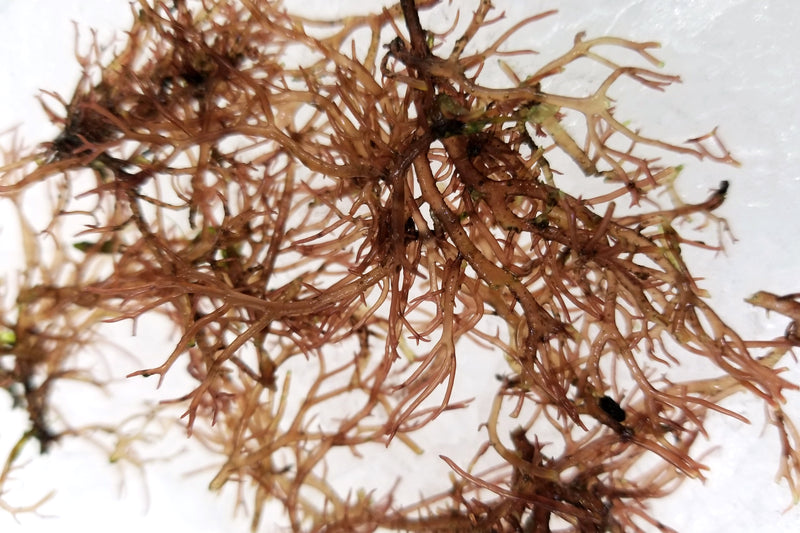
(337, 217)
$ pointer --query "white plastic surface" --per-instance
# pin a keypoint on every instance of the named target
(738, 61)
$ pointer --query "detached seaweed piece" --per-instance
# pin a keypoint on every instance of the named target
(326, 222)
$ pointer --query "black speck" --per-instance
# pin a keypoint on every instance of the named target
(446, 127)
(412, 233)
(475, 145)
(612, 409)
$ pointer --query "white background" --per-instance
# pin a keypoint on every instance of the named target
(738, 60)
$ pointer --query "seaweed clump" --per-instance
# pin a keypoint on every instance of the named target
(333, 228)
